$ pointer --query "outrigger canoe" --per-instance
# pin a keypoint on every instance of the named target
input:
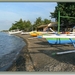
(59, 39)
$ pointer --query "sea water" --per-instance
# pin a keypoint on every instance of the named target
(10, 46)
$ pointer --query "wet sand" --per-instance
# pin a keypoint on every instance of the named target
(37, 56)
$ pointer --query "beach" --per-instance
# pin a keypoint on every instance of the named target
(36, 56)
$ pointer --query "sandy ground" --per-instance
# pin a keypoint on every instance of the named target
(37, 56)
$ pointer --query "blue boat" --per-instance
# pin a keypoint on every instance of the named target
(60, 40)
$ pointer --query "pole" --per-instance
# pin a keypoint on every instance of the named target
(65, 52)
(58, 21)
(67, 17)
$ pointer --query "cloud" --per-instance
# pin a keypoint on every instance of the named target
(10, 13)
(38, 9)
(7, 18)
(5, 24)
(33, 15)
(6, 15)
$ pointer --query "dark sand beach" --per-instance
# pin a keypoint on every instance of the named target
(37, 56)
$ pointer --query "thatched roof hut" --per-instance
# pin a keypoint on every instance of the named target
(52, 24)
(44, 27)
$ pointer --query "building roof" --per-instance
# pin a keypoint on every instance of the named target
(52, 24)
(42, 26)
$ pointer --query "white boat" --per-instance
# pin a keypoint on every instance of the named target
(23, 33)
(14, 32)
(59, 38)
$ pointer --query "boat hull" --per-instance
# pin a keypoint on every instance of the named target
(14, 32)
(60, 40)
(34, 34)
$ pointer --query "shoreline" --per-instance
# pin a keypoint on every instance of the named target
(36, 57)
(20, 56)
(8, 66)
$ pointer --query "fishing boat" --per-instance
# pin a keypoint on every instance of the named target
(60, 38)
(24, 33)
(35, 33)
(14, 32)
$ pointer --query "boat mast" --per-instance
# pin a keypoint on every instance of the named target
(58, 21)
(59, 16)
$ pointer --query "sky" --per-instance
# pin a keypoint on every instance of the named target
(14, 11)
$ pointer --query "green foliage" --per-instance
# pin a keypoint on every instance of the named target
(46, 21)
(66, 9)
(21, 25)
(27, 26)
(39, 22)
